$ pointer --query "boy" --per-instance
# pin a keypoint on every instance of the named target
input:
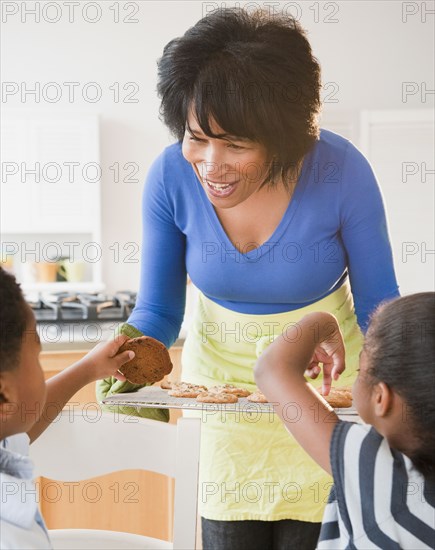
(28, 405)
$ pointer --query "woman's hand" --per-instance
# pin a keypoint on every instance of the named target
(103, 360)
(329, 350)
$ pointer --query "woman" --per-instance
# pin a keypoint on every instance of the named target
(271, 218)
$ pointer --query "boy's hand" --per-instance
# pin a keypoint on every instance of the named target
(329, 351)
(103, 360)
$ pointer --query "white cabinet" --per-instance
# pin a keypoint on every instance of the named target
(400, 147)
(50, 193)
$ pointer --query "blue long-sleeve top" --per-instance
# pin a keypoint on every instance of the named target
(334, 227)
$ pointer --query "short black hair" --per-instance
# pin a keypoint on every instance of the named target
(252, 73)
(400, 345)
(13, 321)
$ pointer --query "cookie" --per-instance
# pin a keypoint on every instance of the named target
(150, 363)
(257, 397)
(339, 398)
(185, 393)
(183, 389)
(166, 385)
(188, 385)
(221, 397)
(229, 388)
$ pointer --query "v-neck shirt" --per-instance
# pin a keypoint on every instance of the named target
(261, 248)
(334, 227)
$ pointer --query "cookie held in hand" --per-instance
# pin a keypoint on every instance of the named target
(150, 363)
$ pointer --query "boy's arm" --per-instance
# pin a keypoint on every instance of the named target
(279, 374)
(101, 362)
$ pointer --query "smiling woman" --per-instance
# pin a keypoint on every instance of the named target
(235, 175)
(227, 166)
(245, 203)
(247, 76)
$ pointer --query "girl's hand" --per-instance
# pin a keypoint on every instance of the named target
(329, 351)
(103, 360)
(279, 373)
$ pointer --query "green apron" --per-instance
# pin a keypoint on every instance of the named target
(251, 468)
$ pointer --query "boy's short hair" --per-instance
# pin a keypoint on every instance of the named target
(13, 321)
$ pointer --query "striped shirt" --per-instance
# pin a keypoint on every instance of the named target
(379, 500)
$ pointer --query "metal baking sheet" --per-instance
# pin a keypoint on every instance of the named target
(156, 397)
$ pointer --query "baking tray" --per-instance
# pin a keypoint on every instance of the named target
(157, 398)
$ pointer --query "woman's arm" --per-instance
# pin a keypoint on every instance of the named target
(279, 374)
(161, 299)
(365, 237)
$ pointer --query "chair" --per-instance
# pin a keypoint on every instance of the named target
(116, 442)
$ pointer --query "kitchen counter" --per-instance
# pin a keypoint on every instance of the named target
(83, 345)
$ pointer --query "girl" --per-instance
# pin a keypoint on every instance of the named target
(384, 472)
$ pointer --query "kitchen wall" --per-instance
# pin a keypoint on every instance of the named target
(370, 53)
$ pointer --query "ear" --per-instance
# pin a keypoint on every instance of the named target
(382, 399)
(8, 396)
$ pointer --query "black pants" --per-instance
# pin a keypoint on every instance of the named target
(286, 534)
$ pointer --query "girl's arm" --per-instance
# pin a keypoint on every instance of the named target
(279, 374)
(102, 361)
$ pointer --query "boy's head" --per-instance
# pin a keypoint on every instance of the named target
(22, 385)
